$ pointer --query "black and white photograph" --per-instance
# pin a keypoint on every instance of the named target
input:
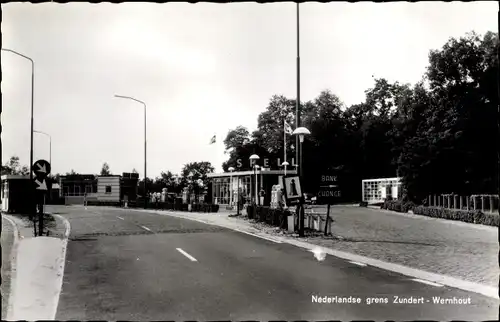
(244, 161)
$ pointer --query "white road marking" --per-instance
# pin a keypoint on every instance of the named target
(120, 217)
(258, 236)
(186, 254)
(357, 263)
(426, 282)
(144, 227)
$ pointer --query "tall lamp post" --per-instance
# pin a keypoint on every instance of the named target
(50, 144)
(145, 143)
(253, 159)
(301, 132)
(32, 94)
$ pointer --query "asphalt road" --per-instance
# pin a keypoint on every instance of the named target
(126, 265)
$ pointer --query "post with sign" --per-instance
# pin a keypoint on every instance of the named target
(41, 168)
(329, 193)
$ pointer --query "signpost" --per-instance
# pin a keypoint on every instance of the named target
(41, 168)
(329, 193)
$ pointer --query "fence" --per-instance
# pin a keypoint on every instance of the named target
(485, 203)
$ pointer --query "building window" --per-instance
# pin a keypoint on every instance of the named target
(108, 189)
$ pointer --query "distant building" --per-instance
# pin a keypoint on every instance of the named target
(377, 190)
(225, 186)
(15, 192)
(129, 186)
(108, 188)
(74, 187)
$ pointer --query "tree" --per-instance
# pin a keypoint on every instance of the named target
(447, 151)
(105, 170)
(194, 175)
(13, 167)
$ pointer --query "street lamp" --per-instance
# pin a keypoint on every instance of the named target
(50, 144)
(32, 94)
(253, 158)
(301, 132)
(145, 140)
(285, 164)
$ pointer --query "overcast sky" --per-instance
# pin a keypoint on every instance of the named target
(201, 69)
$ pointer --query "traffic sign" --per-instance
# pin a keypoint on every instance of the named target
(41, 184)
(41, 168)
(292, 188)
(329, 189)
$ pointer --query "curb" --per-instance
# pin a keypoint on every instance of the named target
(13, 265)
(39, 283)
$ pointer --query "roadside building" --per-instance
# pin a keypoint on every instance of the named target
(129, 186)
(108, 188)
(225, 186)
(377, 190)
(74, 187)
(15, 193)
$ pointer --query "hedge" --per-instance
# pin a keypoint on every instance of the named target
(158, 205)
(176, 206)
(469, 216)
(270, 216)
(103, 203)
(397, 205)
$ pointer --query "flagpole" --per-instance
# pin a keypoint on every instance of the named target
(284, 142)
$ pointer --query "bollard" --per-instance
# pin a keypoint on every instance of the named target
(291, 223)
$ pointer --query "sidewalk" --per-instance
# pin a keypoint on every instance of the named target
(8, 240)
(39, 268)
(458, 250)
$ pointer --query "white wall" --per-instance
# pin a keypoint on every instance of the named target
(114, 182)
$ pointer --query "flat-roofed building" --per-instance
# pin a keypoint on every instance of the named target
(108, 188)
(225, 186)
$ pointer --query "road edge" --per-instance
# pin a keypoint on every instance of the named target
(13, 267)
(62, 262)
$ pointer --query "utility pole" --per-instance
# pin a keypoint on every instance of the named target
(298, 148)
(498, 104)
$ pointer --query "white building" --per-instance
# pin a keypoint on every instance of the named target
(377, 190)
(108, 188)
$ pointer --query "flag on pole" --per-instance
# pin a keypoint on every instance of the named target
(288, 128)
(213, 139)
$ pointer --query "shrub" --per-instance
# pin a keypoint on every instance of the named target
(398, 205)
(469, 216)
(274, 217)
(104, 203)
(363, 204)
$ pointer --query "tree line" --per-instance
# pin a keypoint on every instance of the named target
(438, 135)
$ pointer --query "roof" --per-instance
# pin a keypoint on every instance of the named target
(13, 177)
(250, 172)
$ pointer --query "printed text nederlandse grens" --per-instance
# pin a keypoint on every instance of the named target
(386, 300)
